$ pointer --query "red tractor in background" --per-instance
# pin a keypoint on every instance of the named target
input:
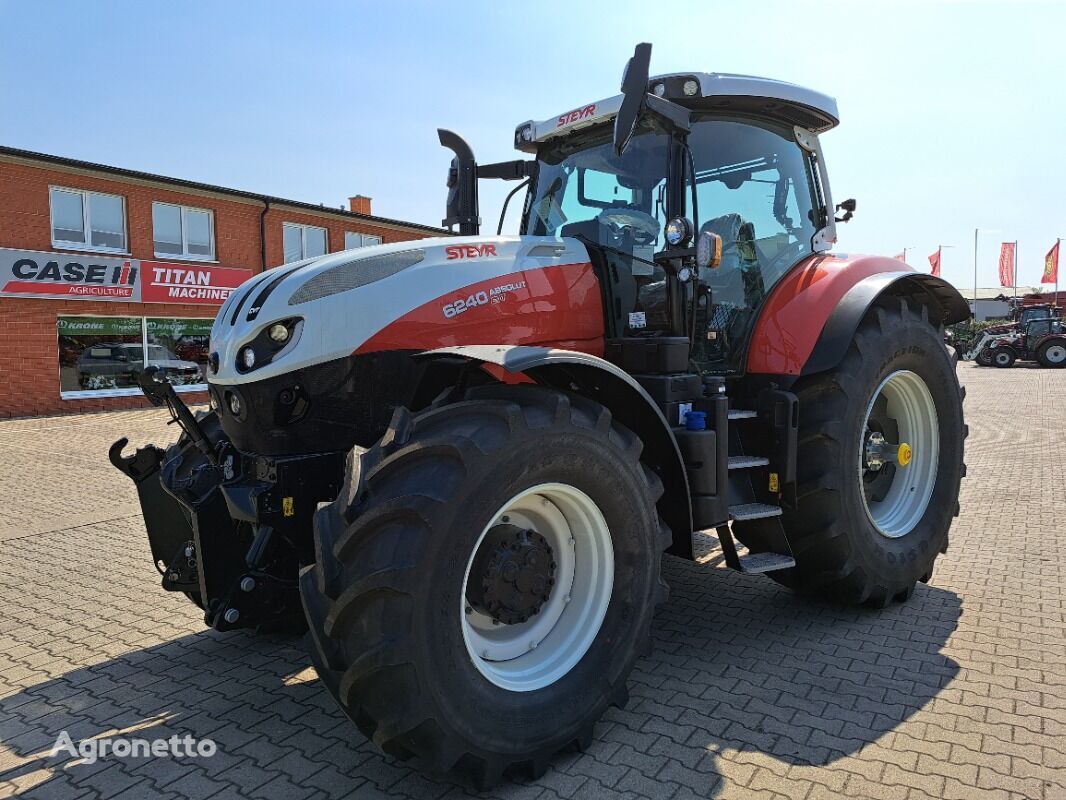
(1036, 334)
(459, 461)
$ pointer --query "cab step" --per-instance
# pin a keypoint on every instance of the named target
(740, 413)
(756, 563)
(746, 511)
(747, 462)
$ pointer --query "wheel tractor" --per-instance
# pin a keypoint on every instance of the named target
(459, 461)
(1038, 335)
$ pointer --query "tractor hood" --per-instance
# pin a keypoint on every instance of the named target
(335, 304)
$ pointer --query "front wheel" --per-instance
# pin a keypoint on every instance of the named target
(880, 462)
(984, 358)
(1003, 357)
(482, 590)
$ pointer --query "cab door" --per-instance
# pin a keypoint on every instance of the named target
(755, 188)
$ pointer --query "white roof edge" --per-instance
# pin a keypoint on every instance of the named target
(712, 84)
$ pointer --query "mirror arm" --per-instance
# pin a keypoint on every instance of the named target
(508, 170)
(671, 113)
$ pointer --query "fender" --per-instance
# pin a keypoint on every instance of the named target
(627, 400)
(811, 316)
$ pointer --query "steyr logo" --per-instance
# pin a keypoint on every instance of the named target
(470, 251)
(575, 115)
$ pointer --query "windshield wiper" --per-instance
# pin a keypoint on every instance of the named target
(614, 250)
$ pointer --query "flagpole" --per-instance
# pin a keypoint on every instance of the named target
(1015, 275)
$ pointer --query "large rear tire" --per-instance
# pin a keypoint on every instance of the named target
(863, 535)
(1052, 354)
(522, 505)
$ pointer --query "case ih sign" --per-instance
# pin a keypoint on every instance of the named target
(32, 273)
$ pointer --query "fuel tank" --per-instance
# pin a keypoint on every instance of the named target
(315, 355)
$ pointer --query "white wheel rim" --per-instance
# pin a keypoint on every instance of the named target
(911, 405)
(1055, 354)
(1002, 358)
(531, 655)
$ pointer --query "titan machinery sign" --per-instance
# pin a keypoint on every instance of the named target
(69, 276)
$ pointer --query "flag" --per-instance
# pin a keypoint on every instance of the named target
(899, 257)
(934, 262)
(1051, 265)
(1006, 264)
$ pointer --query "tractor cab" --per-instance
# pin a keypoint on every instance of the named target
(640, 177)
(1036, 329)
(752, 181)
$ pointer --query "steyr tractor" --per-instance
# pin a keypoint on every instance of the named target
(1038, 335)
(459, 461)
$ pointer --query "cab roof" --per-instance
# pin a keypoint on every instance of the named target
(700, 91)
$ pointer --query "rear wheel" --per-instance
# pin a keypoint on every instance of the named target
(485, 584)
(880, 462)
(1052, 354)
(1004, 357)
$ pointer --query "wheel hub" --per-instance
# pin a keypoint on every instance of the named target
(878, 452)
(512, 574)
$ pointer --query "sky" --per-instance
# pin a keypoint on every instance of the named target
(953, 114)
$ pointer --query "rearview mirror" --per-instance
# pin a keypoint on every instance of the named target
(634, 90)
(708, 250)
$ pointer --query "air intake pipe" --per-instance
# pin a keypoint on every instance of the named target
(462, 209)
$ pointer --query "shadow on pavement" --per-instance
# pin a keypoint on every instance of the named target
(740, 668)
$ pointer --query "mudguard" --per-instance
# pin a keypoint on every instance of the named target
(618, 391)
(811, 316)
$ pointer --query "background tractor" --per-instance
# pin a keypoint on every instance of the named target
(459, 461)
(1036, 334)
(1041, 339)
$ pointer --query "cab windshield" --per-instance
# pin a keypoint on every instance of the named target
(584, 190)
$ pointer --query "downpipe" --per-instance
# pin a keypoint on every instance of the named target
(230, 530)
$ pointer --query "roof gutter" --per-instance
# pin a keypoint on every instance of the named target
(263, 234)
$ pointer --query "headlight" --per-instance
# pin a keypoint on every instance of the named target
(690, 87)
(273, 340)
(678, 232)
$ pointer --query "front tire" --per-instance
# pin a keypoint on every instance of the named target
(984, 358)
(403, 594)
(1004, 357)
(861, 535)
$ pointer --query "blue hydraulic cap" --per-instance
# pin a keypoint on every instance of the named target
(696, 421)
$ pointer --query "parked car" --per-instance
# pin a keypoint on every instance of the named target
(117, 365)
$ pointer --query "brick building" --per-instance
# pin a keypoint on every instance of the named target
(103, 270)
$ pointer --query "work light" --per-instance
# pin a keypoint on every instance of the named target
(248, 357)
(678, 232)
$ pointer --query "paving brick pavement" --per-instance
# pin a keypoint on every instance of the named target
(750, 692)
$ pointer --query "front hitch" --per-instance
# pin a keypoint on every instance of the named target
(229, 529)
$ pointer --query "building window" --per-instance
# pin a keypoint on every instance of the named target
(183, 232)
(353, 240)
(88, 220)
(104, 356)
(303, 241)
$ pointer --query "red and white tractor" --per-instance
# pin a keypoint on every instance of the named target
(1038, 335)
(459, 461)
